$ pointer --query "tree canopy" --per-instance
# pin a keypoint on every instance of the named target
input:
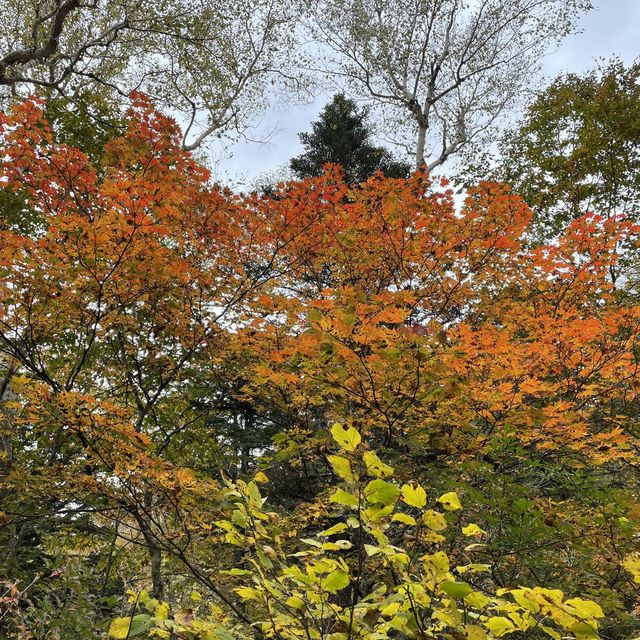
(335, 411)
(577, 149)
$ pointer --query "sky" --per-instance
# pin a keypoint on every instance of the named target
(611, 29)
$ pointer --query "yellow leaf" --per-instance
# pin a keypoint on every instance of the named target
(129, 627)
(337, 528)
(632, 565)
(341, 466)
(335, 581)
(474, 632)
(404, 518)
(248, 593)
(450, 501)
(294, 602)
(415, 496)
(585, 609)
(344, 498)
(434, 520)
(472, 530)
(162, 611)
(500, 626)
(375, 466)
(261, 477)
(347, 437)
(119, 628)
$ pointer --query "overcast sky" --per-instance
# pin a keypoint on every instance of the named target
(612, 29)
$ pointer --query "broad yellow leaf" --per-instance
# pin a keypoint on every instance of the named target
(450, 501)
(341, 466)
(434, 520)
(347, 437)
(500, 626)
(414, 496)
(375, 466)
(632, 565)
(472, 530)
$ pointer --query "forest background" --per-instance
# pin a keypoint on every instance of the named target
(355, 399)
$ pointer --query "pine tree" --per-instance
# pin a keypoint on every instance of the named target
(342, 135)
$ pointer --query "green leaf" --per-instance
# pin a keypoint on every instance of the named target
(335, 581)
(414, 496)
(341, 466)
(344, 498)
(456, 590)
(121, 628)
(375, 466)
(347, 437)
(379, 491)
(450, 501)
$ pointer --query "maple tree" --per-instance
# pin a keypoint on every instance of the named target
(166, 344)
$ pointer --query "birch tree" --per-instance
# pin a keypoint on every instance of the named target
(210, 62)
(445, 70)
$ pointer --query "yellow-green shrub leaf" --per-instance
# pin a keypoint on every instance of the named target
(121, 628)
(456, 590)
(632, 565)
(375, 466)
(379, 491)
(500, 626)
(472, 530)
(404, 518)
(347, 437)
(414, 496)
(336, 580)
(341, 466)
(434, 520)
(337, 528)
(344, 498)
(450, 501)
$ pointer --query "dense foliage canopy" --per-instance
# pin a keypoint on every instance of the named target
(335, 411)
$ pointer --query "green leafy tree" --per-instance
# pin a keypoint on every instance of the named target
(578, 148)
(342, 135)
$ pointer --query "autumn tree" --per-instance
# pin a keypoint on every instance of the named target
(112, 321)
(342, 136)
(443, 71)
(157, 331)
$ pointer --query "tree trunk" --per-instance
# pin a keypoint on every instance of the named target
(422, 138)
(156, 572)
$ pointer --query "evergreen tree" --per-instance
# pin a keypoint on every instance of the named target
(342, 136)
